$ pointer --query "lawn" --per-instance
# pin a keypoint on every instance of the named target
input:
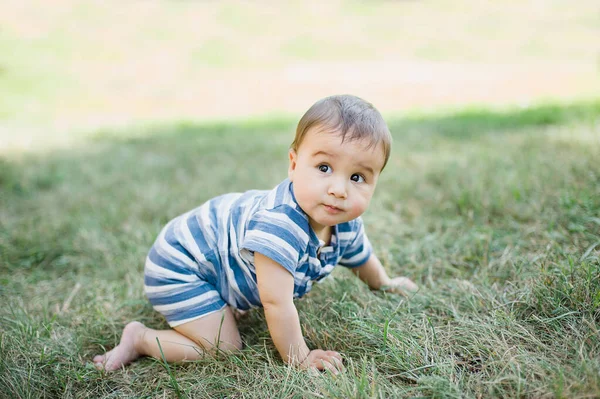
(495, 213)
(116, 117)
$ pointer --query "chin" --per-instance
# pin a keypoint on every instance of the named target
(331, 221)
(326, 222)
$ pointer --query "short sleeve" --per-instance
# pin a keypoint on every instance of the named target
(277, 234)
(358, 251)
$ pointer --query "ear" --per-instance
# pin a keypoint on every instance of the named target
(293, 157)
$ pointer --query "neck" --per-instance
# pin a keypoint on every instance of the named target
(323, 232)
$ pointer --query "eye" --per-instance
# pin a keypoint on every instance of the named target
(357, 178)
(324, 168)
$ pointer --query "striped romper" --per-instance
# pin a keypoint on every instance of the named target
(203, 260)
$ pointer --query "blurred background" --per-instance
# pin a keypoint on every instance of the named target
(70, 67)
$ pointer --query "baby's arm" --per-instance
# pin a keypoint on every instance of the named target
(374, 275)
(276, 290)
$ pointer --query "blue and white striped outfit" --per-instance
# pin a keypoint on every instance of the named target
(203, 260)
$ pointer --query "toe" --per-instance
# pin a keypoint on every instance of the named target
(98, 359)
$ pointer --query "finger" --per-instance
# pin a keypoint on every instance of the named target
(337, 363)
(398, 290)
(406, 283)
(325, 365)
(319, 361)
(334, 354)
(335, 359)
(313, 371)
(411, 286)
(402, 286)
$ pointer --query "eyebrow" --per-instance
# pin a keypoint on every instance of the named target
(323, 153)
(361, 165)
(367, 168)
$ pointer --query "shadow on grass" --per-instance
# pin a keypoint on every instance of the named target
(258, 136)
(121, 183)
(471, 123)
(459, 125)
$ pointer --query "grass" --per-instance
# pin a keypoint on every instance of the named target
(495, 215)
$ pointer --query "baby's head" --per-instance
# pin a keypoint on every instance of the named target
(351, 117)
(342, 144)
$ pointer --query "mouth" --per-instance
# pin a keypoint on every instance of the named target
(332, 209)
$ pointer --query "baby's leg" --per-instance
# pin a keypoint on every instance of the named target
(187, 341)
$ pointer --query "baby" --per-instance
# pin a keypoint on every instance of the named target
(265, 248)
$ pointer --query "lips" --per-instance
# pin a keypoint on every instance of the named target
(332, 209)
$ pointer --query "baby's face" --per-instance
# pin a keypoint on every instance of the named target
(334, 181)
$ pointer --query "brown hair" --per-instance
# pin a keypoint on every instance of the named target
(351, 117)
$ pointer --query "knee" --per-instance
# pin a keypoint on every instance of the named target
(221, 346)
(230, 346)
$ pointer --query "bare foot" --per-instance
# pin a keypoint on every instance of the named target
(124, 353)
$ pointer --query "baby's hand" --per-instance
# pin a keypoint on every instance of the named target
(400, 285)
(319, 359)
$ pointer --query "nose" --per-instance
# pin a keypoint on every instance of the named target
(337, 188)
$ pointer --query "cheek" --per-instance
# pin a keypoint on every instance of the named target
(305, 195)
(359, 205)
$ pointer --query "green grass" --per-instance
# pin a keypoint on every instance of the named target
(495, 214)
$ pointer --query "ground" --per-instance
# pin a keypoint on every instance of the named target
(117, 116)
